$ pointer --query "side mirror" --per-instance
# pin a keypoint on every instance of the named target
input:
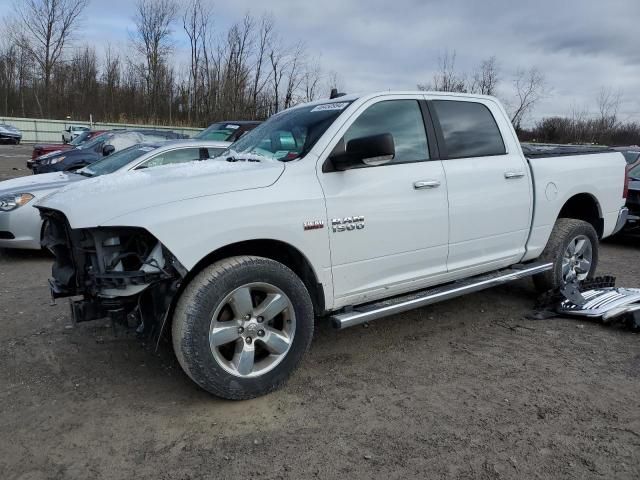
(372, 151)
(108, 150)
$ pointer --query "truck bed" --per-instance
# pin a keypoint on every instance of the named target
(532, 150)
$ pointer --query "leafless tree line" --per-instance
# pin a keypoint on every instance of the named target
(525, 88)
(528, 85)
(245, 72)
(604, 128)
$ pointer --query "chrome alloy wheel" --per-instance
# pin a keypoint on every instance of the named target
(252, 330)
(577, 259)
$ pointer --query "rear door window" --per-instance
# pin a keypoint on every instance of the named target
(469, 129)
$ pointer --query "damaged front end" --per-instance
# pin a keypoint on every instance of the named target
(123, 273)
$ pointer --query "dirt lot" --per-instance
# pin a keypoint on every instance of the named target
(464, 389)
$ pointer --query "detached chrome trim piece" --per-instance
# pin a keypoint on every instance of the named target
(623, 216)
(384, 308)
(605, 303)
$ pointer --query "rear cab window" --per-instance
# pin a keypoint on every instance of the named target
(468, 129)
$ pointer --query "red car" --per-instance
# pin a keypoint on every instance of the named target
(43, 149)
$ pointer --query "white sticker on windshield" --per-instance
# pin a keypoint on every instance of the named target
(232, 127)
(330, 106)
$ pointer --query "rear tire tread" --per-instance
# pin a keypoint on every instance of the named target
(563, 231)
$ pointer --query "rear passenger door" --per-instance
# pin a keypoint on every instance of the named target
(489, 184)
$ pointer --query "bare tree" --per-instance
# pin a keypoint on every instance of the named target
(334, 81)
(446, 79)
(152, 40)
(311, 81)
(530, 88)
(608, 102)
(485, 79)
(195, 22)
(262, 45)
(43, 28)
(111, 80)
(294, 75)
(277, 72)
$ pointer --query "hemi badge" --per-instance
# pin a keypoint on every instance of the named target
(314, 225)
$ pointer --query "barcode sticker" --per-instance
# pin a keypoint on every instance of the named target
(330, 106)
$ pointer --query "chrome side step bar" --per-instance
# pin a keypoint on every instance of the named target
(372, 311)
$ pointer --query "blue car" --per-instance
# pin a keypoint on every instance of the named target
(97, 148)
(9, 134)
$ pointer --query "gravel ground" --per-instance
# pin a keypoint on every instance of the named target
(463, 389)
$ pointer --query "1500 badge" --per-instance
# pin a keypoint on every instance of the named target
(347, 224)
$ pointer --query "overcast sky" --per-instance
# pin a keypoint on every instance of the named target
(580, 45)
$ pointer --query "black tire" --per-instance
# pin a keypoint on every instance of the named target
(563, 232)
(193, 316)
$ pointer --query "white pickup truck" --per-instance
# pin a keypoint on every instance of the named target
(350, 209)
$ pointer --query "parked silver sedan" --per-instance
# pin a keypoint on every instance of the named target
(20, 223)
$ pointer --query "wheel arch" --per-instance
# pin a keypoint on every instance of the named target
(584, 206)
(276, 250)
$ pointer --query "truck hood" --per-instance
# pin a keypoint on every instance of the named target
(98, 200)
(38, 183)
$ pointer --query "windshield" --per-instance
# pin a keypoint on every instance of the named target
(631, 156)
(80, 139)
(634, 173)
(218, 131)
(290, 134)
(95, 141)
(117, 160)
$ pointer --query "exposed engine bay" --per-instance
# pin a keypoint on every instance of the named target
(123, 273)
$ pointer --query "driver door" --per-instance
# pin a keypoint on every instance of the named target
(388, 224)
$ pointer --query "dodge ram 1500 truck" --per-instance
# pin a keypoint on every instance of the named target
(349, 209)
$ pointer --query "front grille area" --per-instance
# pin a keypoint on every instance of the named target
(6, 235)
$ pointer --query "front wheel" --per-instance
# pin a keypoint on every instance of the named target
(573, 250)
(241, 326)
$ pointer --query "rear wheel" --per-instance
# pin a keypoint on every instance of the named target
(241, 326)
(573, 250)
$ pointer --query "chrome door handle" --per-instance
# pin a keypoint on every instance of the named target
(511, 175)
(426, 184)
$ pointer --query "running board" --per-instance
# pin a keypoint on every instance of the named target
(391, 306)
